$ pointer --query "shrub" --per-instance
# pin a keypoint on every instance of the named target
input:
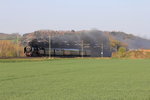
(10, 49)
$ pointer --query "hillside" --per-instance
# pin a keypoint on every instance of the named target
(133, 42)
(4, 36)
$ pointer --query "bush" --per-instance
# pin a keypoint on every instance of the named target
(10, 49)
(135, 54)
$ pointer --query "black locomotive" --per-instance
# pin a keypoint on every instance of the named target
(38, 49)
(58, 52)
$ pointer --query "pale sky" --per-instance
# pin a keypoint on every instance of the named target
(131, 16)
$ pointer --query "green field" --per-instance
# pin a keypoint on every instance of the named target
(75, 79)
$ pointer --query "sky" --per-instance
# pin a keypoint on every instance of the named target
(23, 16)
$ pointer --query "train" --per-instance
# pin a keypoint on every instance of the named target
(31, 51)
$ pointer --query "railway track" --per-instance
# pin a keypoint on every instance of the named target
(22, 57)
(37, 57)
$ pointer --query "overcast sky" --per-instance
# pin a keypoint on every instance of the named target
(131, 16)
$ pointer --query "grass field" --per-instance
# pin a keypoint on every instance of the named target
(75, 79)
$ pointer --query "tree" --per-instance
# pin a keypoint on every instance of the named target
(122, 51)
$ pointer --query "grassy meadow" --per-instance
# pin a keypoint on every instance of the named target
(75, 79)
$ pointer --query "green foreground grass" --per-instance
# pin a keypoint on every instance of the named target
(75, 79)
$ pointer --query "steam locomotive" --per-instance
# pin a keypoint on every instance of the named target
(40, 47)
(58, 52)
